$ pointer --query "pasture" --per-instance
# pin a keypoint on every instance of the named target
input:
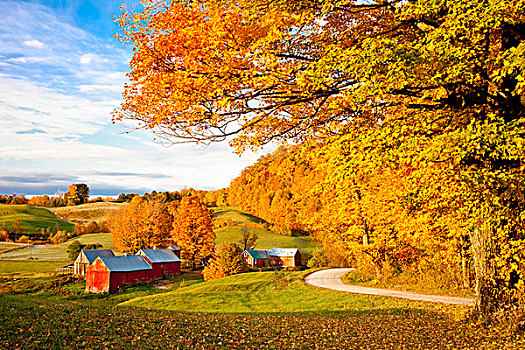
(31, 218)
(266, 240)
(85, 213)
(48, 252)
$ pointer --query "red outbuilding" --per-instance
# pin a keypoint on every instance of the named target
(176, 249)
(255, 258)
(106, 274)
(163, 261)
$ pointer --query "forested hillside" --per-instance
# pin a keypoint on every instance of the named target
(277, 189)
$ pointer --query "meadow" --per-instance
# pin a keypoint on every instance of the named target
(266, 240)
(31, 218)
(85, 213)
(55, 252)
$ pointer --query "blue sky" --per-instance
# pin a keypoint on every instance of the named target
(61, 75)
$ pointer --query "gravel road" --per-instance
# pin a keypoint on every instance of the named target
(332, 279)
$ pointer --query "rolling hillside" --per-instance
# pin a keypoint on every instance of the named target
(87, 212)
(32, 218)
(267, 239)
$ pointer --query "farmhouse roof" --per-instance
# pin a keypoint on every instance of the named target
(283, 252)
(257, 253)
(126, 263)
(175, 247)
(160, 255)
(92, 254)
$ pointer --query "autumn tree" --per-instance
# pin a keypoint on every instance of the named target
(77, 194)
(426, 82)
(248, 238)
(142, 224)
(192, 229)
(17, 227)
(226, 261)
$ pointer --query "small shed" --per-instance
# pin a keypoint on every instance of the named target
(106, 274)
(163, 261)
(176, 249)
(254, 257)
(286, 257)
(86, 258)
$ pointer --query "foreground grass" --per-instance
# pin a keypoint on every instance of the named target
(31, 218)
(266, 240)
(273, 292)
(87, 212)
(57, 316)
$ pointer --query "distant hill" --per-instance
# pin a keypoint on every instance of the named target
(267, 239)
(31, 218)
(87, 212)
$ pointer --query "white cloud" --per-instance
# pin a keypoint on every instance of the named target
(55, 114)
(90, 58)
(100, 88)
(34, 43)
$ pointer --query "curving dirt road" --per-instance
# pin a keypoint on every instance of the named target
(332, 279)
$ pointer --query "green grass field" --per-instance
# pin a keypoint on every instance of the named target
(87, 212)
(271, 292)
(28, 268)
(31, 218)
(56, 252)
(266, 240)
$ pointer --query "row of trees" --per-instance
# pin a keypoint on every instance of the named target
(149, 223)
(76, 194)
(420, 104)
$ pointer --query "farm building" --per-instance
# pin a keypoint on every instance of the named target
(106, 274)
(163, 261)
(255, 258)
(285, 257)
(176, 249)
(86, 258)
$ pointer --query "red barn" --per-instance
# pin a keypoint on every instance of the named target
(163, 261)
(255, 258)
(176, 249)
(106, 274)
(86, 258)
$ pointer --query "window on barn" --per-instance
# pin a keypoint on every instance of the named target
(255, 261)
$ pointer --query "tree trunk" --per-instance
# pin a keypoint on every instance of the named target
(483, 249)
(464, 269)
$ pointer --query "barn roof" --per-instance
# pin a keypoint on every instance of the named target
(257, 254)
(175, 247)
(126, 263)
(160, 255)
(283, 252)
(92, 254)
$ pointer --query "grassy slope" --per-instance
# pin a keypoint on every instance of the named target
(31, 217)
(258, 292)
(87, 212)
(266, 239)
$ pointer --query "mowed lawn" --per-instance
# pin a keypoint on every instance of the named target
(272, 292)
(31, 218)
(266, 240)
